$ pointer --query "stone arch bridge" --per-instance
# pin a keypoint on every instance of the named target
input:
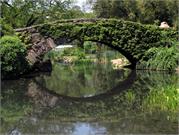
(131, 39)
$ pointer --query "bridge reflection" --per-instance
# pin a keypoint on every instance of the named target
(30, 108)
(37, 91)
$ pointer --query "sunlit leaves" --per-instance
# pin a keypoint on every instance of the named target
(13, 53)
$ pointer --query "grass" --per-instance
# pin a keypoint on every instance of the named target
(162, 58)
(162, 99)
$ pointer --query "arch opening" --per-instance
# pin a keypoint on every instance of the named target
(85, 49)
(85, 70)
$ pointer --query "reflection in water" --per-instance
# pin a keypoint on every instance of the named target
(89, 129)
(84, 80)
(40, 96)
(31, 107)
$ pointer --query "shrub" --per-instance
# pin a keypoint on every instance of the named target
(90, 47)
(162, 58)
(79, 52)
(5, 28)
(13, 53)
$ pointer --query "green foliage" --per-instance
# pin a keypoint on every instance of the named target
(148, 95)
(90, 47)
(25, 37)
(162, 98)
(81, 79)
(160, 58)
(158, 10)
(76, 54)
(6, 29)
(102, 8)
(13, 53)
(130, 97)
(89, 15)
(52, 55)
(23, 13)
(79, 52)
(131, 39)
(138, 105)
(144, 11)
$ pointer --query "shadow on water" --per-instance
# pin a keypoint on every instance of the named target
(36, 105)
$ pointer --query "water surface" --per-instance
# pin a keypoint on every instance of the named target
(86, 99)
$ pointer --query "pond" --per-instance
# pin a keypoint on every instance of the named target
(90, 99)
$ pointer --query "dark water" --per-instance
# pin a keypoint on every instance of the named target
(87, 99)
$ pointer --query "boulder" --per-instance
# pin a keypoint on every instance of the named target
(39, 47)
(164, 25)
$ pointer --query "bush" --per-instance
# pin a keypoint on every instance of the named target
(79, 52)
(13, 53)
(162, 58)
(5, 28)
(90, 47)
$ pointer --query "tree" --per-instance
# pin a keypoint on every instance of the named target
(119, 9)
(144, 11)
(166, 10)
(23, 13)
(102, 8)
(132, 10)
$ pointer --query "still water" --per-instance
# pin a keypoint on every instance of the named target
(88, 99)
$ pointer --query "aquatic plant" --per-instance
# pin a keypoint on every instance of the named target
(162, 99)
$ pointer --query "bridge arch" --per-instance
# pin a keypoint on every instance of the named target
(131, 39)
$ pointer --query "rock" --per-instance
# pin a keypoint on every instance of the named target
(40, 96)
(39, 46)
(31, 57)
(51, 43)
(68, 60)
(177, 70)
(118, 63)
(36, 37)
(164, 25)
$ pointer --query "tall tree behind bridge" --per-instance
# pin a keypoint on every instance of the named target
(23, 13)
(158, 10)
(125, 9)
(144, 11)
(102, 8)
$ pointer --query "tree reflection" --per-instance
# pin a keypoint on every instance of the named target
(32, 108)
(82, 80)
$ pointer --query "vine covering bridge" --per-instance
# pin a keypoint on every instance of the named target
(131, 39)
